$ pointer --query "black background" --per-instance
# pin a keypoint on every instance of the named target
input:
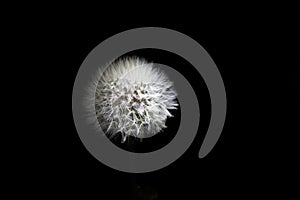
(248, 158)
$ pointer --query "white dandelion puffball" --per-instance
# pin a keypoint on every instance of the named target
(133, 98)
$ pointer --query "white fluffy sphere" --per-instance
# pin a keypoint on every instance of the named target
(132, 97)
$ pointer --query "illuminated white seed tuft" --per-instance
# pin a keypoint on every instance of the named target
(132, 98)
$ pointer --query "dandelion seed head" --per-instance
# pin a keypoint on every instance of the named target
(132, 97)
